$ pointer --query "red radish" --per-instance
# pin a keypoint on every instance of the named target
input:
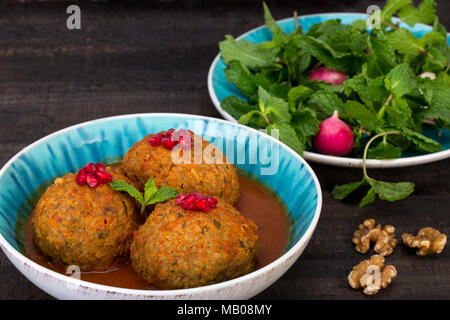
(328, 75)
(429, 75)
(335, 137)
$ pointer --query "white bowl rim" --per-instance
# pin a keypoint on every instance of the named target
(155, 293)
(322, 158)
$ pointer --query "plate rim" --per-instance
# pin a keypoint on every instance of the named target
(322, 158)
(158, 294)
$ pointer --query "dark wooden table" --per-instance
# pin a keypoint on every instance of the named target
(154, 57)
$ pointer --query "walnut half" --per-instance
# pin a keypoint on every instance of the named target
(369, 232)
(428, 241)
(372, 275)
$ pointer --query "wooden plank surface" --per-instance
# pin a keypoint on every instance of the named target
(131, 57)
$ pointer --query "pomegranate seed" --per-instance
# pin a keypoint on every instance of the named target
(211, 201)
(92, 181)
(81, 177)
(156, 140)
(185, 141)
(170, 132)
(93, 174)
(194, 201)
(104, 176)
(167, 143)
(189, 199)
(202, 204)
(90, 168)
(180, 198)
(100, 167)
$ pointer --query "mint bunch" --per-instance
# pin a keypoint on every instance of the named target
(151, 196)
(383, 91)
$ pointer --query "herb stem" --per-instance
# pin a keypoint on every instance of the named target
(389, 24)
(429, 122)
(366, 149)
(296, 20)
(265, 118)
(380, 114)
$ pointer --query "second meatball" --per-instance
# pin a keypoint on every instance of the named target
(144, 161)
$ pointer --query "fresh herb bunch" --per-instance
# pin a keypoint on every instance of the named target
(383, 93)
(151, 196)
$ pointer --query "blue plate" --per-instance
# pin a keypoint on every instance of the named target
(24, 178)
(219, 88)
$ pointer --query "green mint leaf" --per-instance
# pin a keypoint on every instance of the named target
(399, 113)
(245, 118)
(432, 37)
(391, 191)
(391, 7)
(360, 113)
(425, 13)
(384, 150)
(327, 101)
(438, 27)
(235, 106)
(248, 54)
(436, 58)
(163, 194)
(422, 143)
(279, 90)
(368, 198)
(315, 48)
(369, 90)
(297, 61)
(400, 80)
(120, 185)
(287, 135)
(324, 43)
(437, 95)
(382, 53)
(276, 109)
(405, 42)
(149, 190)
(444, 77)
(240, 77)
(296, 95)
(305, 122)
(272, 25)
(342, 191)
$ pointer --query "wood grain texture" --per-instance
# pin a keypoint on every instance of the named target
(131, 57)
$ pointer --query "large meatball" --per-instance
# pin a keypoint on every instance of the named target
(183, 249)
(78, 225)
(144, 161)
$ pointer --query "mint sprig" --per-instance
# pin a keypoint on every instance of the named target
(151, 196)
(390, 191)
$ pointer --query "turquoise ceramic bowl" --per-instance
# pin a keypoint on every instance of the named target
(219, 88)
(108, 140)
